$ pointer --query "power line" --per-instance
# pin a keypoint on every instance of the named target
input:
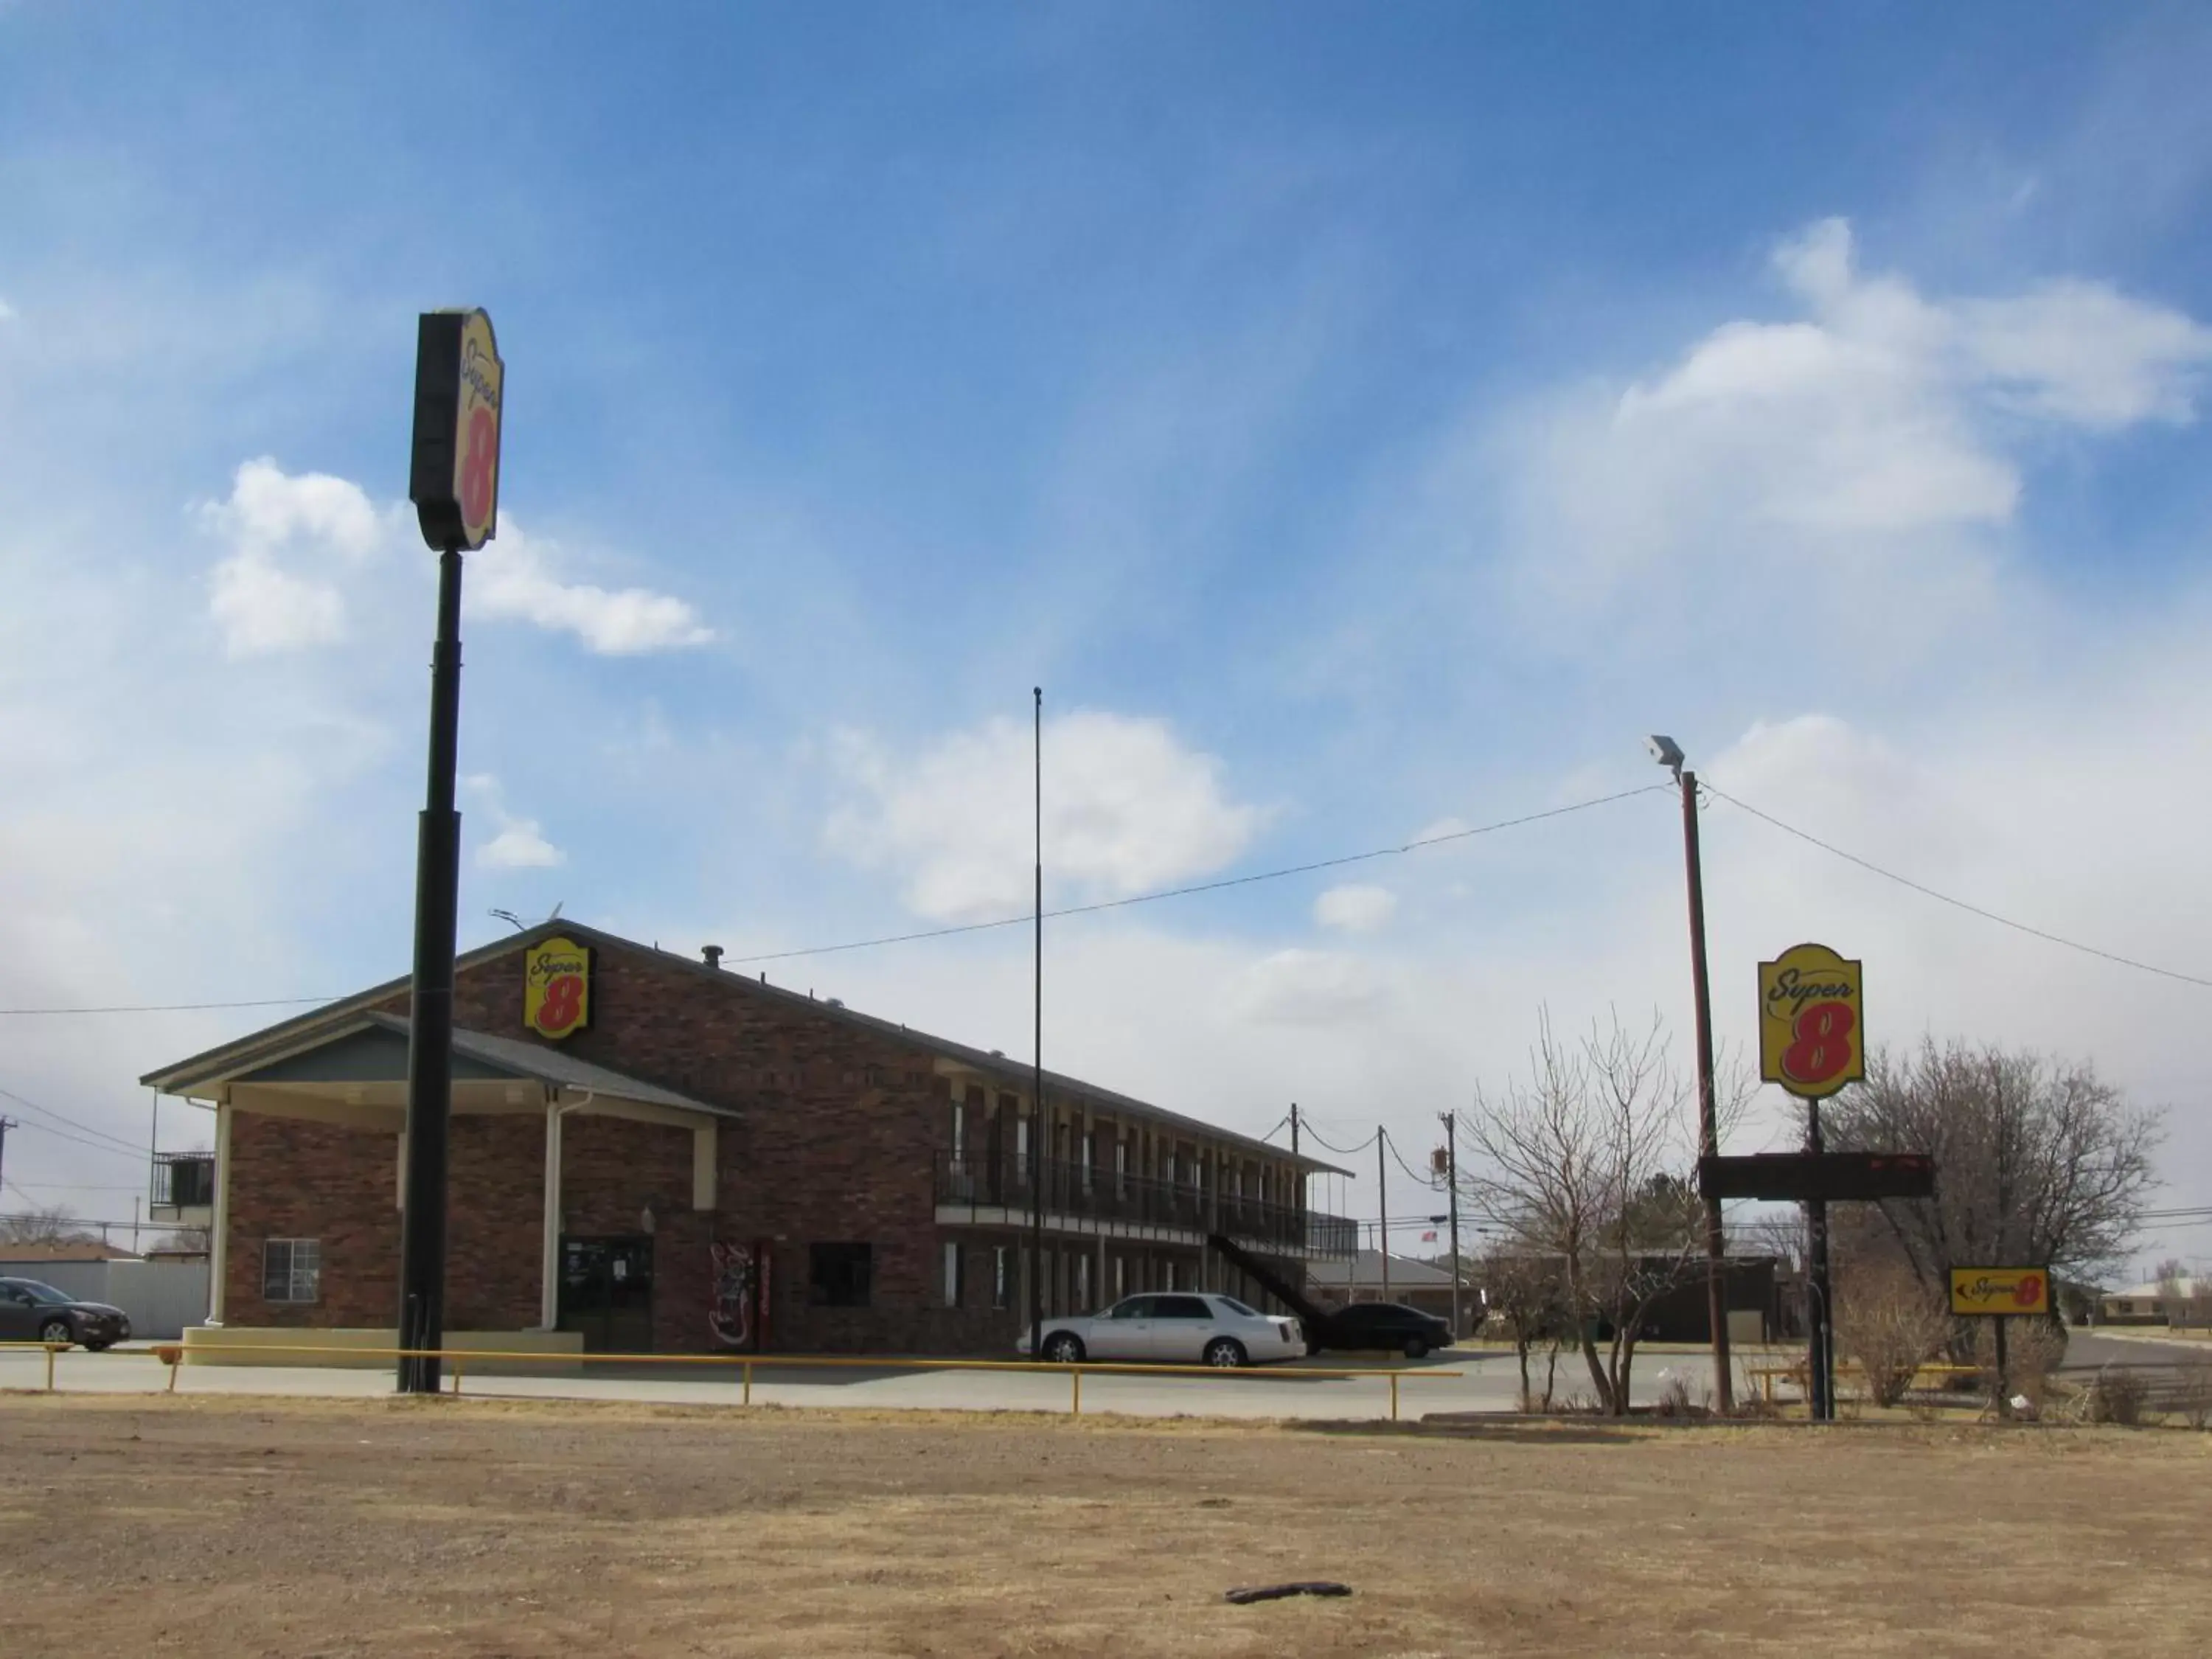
(115, 1141)
(1342, 1151)
(1025, 917)
(1958, 903)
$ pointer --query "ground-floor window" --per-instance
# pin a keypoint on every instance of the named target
(952, 1261)
(1172, 1284)
(1082, 1284)
(291, 1269)
(1120, 1278)
(840, 1275)
(1002, 1276)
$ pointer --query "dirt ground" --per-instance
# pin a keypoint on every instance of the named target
(310, 1528)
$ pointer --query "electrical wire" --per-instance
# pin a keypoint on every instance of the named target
(115, 1142)
(1415, 845)
(1306, 1124)
(1958, 903)
(1428, 1180)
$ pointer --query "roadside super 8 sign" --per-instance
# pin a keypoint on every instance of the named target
(1812, 1034)
(556, 988)
(459, 394)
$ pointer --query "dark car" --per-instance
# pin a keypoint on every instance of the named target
(1379, 1325)
(32, 1312)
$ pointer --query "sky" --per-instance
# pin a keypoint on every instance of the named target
(1365, 423)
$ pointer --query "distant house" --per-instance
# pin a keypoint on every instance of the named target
(1414, 1283)
(2183, 1301)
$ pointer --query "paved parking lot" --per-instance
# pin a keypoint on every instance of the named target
(1487, 1383)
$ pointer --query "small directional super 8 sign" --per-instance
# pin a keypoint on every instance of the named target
(556, 988)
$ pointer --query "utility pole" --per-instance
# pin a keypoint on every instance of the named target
(1294, 1129)
(6, 1124)
(1036, 1050)
(1669, 754)
(1451, 1184)
(1382, 1209)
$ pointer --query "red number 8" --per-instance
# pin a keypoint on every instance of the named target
(1823, 1046)
(564, 1001)
(478, 474)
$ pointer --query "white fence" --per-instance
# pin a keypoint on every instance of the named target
(160, 1298)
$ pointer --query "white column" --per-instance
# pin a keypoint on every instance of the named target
(549, 1261)
(219, 1233)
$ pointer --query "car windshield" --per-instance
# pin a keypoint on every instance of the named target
(44, 1295)
(1236, 1307)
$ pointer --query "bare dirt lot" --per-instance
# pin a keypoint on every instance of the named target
(238, 1527)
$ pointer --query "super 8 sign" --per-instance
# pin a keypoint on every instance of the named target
(556, 988)
(459, 388)
(1811, 1028)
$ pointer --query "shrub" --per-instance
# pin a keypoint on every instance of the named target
(2193, 1399)
(2033, 1348)
(2118, 1396)
(1890, 1323)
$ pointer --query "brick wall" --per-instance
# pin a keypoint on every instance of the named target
(294, 1179)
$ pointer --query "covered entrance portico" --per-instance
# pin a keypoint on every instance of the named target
(560, 1171)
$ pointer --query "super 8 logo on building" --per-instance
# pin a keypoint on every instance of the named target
(556, 988)
(1811, 1028)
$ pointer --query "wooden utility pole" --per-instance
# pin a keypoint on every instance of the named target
(1451, 1184)
(1383, 1208)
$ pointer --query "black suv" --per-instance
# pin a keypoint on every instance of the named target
(1379, 1325)
(32, 1312)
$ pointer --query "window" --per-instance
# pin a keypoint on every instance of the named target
(1181, 1307)
(291, 1269)
(1236, 1307)
(1083, 1281)
(1169, 1280)
(959, 1132)
(1022, 1142)
(952, 1285)
(839, 1275)
(1120, 1278)
(1086, 1160)
(1002, 1276)
(1135, 1307)
(1120, 1168)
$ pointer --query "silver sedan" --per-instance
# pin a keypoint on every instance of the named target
(1171, 1328)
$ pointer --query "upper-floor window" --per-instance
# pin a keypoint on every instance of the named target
(959, 1130)
(1086, 1160)
(1120, 1167)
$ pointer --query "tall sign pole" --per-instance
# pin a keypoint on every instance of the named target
(453, 481)
(1812, 1040)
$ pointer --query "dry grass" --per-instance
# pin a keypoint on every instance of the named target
(222, 1526)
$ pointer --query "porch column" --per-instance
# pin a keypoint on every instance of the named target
(219, 1233)
(549, 1260)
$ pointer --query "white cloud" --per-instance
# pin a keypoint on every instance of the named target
(1855, 463)
(521, 843)
(511, 576)
(271, 519)
(1127, 807)
(1309, 987)
(7, 312)
(1355, 908)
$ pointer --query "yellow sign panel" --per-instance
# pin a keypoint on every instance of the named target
(1999, 1290)
(1812, 1029)
(476, 438)
(556, 988)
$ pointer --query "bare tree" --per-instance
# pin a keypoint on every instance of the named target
(1586, 1165)
(1525, 1290)
(2037, 1160)
(2171, 1278)
(53, 1226)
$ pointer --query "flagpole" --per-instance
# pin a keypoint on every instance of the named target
(1036, 1051)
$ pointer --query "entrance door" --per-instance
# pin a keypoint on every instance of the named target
(606, 1292)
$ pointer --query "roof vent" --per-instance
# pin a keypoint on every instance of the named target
(998, 1053)
(836, 1002)
(712, 954)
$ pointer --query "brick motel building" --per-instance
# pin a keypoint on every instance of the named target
(702, 1162)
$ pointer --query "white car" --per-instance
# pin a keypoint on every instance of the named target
(1171, 1326)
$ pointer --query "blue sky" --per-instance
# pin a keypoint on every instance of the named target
(1358, 418)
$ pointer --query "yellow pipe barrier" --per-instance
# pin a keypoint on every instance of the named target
(172, 1355)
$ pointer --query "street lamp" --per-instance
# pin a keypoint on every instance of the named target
(1669, 754)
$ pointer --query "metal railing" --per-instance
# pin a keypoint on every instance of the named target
(174, 1354)
(183, 1181)
(1091, 1194)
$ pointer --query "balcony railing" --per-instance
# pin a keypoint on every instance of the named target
(1093, 1195)
(183, 1181)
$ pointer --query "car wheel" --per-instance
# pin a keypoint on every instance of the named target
(1416, 1349)
(1063, 1348)
(1224, 1353)
(56, 1330)
(98, 1347)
